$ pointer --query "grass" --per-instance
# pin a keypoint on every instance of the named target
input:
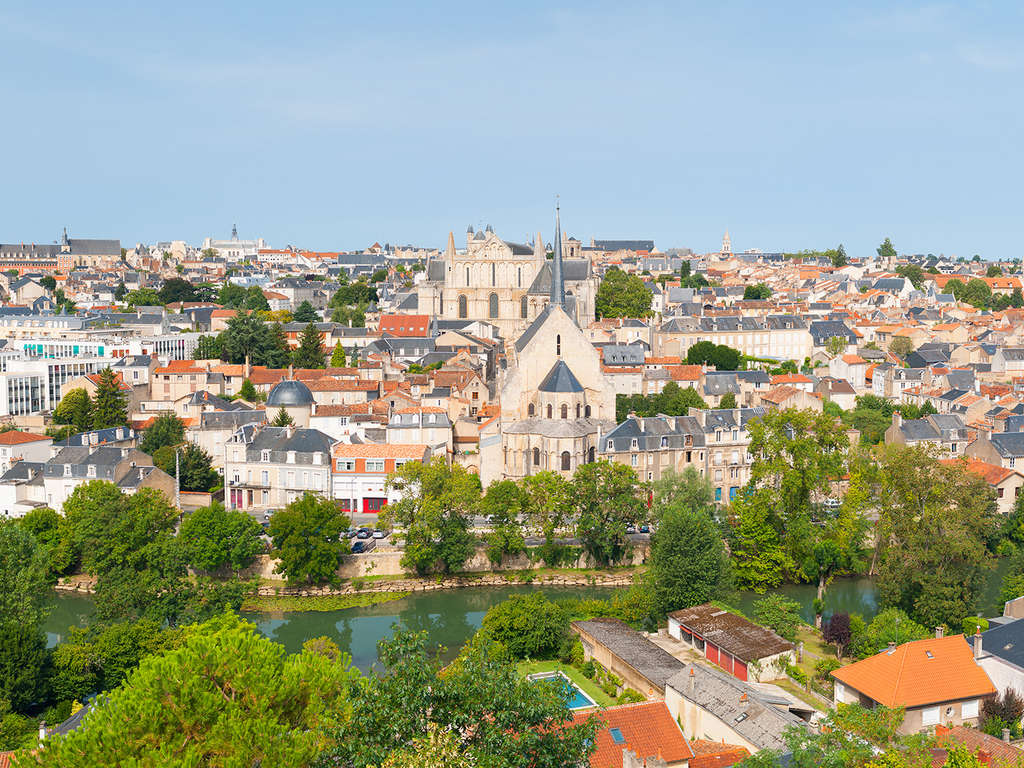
(807, 698)
(276, 604)
(589, 687)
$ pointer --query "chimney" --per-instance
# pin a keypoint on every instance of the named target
(892, 645)
(693, 680)
(977, 643)
(897, 419)
(939, 632)
(744, 700)
(291, 371)
(1006, 735)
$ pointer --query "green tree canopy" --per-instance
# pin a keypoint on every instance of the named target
(504, 503)
(216, 538)
(607, 498)
(994, 270)
(110, 406)
(886, 250)
(673, 400)
(622, 295)
(75, 408)
(338, 356)
(310, 352)
(248, 336)
(307, 540)
(248, 391)
(305, 313)
(722, 357)
(757, 292)
(282, 418)
(176, 289)
(143, 297)
(528, 626)
(167, 429)
(208, 348)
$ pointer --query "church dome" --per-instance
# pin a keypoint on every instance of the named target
(289, 393)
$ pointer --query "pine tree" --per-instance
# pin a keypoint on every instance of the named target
(338, 356)
(310, 353)
(282, 419)
(248, 391)
(305, 313)
(110, 408)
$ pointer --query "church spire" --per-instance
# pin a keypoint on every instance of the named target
(557, 284)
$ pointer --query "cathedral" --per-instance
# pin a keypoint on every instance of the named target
(504, 283)
(555, 401)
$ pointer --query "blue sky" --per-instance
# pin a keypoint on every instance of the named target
(331, 125)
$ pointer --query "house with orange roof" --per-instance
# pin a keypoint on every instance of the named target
(359, 473)
(937, 681)
(1005, 482)
(990, 751)
(405, 325)
(18, 446)
(851, 367)
(795, 380)
(629, 734)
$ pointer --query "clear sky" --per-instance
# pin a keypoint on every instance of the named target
(331, 125)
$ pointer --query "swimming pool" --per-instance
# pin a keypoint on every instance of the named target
(575, 697)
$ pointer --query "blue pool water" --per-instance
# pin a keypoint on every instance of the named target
(576, 698)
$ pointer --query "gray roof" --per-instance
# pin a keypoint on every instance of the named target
(754, 718)
(1004, 642)
(560, 379)
(654, 433)
(720, 383)
(1008, 443)
(289, 393)
(654, 663)
(573, 270)
(556, 427)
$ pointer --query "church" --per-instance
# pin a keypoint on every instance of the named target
(555, 401)
(504, 283)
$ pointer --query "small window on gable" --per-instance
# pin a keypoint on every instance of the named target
(291, 457)
(265, 455)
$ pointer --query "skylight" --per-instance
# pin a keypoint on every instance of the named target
(617, 736)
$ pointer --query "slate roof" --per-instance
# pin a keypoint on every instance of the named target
(560, 379)
(1008, 443)
(573, 270)
(653, 663)
(671, 430)
(754, 718)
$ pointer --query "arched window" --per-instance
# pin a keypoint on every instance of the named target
(522, 307)
(586, 411)
(590, 455)
(519, 277)
(558, 345)
(536, 457)
(463, 307)
(530, 410)
(566, 459)
(467, 275)
(493, 305)
(565, 411)
(549, 410)
(577, 410)
(494, 274)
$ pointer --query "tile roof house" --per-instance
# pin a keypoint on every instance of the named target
(740, 647)
(1006, 483)
(646, 729)
(936, 680)
(989, 750)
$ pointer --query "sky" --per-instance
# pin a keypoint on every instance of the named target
(331, 125)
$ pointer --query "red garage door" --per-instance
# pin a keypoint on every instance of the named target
(740, 670)
(712, 653)
(725, 661)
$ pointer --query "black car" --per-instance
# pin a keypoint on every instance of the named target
(358, 547)
(364, 533)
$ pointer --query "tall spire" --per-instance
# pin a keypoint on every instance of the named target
(557, 283)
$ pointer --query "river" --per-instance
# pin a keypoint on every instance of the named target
(449, 616)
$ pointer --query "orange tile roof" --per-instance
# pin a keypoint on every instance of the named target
(1001, 754)
(376, 451)
(684, 372)
(790, 378)
(712, 754)
(647, 729)
(918, 673)
(14, 437)
(993, 474)
(853, 359)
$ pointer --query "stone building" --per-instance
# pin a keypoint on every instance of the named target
(555, 401)
(507, 284)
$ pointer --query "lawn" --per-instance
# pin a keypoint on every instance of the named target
(589, 687)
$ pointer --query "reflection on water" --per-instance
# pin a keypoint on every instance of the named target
(450, 617)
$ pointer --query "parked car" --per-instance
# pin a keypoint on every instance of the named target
(350, 533)
(630, 529)
(364, 533)
(645, 529)
(379, 534)
(358, 547)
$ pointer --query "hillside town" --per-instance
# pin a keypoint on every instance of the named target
(186, 429)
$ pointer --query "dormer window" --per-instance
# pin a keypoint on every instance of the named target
(318, 458)
(265, 455)
(664, 442)
(291, 457)
(90, 471)
(67, 469)
(610, 446)
(634, 443)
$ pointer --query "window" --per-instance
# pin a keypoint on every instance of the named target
(549, 411)
(1012, 462)
(463, 304)
(67, 470)
(930, 716)
(577, 410)
(664, 442)
(586, 411)
(634, 443)
(265, 455)
(265, 479)
(523, 307)
(566, 459)
(536, 457)
(590, 455)
(558, 345)
(633, 460)
(839, 691)
(617, 736)
(494, 275)
(291, 457)
(318, 458)
(718, 494)
(90, 471)
(969, 709)
(530, 410)
(375, 465)
(610, 445)
(467, 275)
(291, 478)
(492, 304)
(565, 411)
(735, 434)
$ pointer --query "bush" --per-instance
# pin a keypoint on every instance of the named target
(610, 688)
(530, 626)
(629, 696)
(573, 654)
(797, 674)
(780, 613)
(974, 623)
(589, 669)
(824, 667)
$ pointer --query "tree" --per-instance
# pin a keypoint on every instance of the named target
(497, 717)
(23, 663)
(120, 292)
(436, 505)
(548, 508)
(216, 538)
(208, 348)
(338, 356)
(232, 296)
(606, 498)
(724, 358)
(49, 282)
(379, 276)
(977, 293)
(1002, 711)
(305, 313)
(24, 575)
(886, 251)
(176, 289)
(839, 257)
(248, 337)
(110, 407)
(225, 697)
(1017, 299)
(934, 522)
(728, 400)
(994, 270)
(256, 300)
(504, 504)
(197, 472)
(913, 273)
(780, 613)
(143, 297)
(528, 626)
(310, 353)
(891, 625)
(308, 541)
(622, 295)
(835, 345)
(167, 429)
(836, 631)
(673, 400)
(75, 408)
(248, 391)
(282, 419)
(757, 292)
(688, 561)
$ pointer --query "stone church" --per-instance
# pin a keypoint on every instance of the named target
(504, 283)
(555, 401)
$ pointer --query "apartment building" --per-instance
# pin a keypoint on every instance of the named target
(360, 473)
(270, 467)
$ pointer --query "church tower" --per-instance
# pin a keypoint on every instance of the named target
(726, 243)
